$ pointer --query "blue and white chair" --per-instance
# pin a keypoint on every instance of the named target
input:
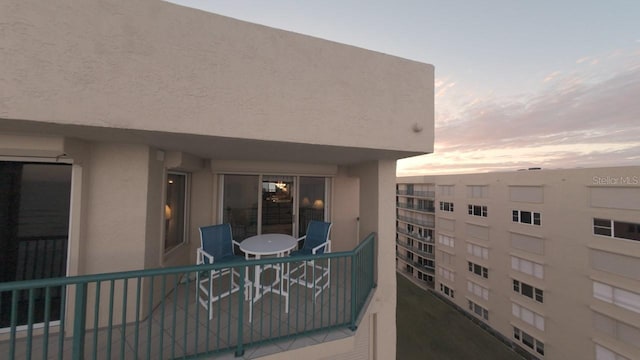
(313, 274)
(216, 246)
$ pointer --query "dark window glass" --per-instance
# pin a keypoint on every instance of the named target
(516, 286)
(175, 210)
(527, 290)
(516, 218)
(540, 347)
(626, 230)
(525, 217)
(527, 339)
(536, 218)
(539, 296)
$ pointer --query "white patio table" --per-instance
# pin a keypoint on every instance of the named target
(278, 245)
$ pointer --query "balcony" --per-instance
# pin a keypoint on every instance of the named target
(415, 235)
(155, 314)
(421, 194)
(419, 266)
(430, 223)
(428, 209)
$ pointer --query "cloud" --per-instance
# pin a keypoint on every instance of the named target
(577, 120)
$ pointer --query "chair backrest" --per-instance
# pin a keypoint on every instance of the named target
(317, 233)
(216, 240)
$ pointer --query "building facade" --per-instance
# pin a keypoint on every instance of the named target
(127, 125)
(549, 259)
(415, 224)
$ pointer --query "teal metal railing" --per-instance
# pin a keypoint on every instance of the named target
(155, 313)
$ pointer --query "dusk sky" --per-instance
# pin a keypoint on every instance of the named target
(551, 84)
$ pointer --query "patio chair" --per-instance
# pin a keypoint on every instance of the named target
(216, 246)
(313, 274)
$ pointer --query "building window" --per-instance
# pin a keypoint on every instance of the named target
(478, 290)
(616, 229)
(478, 210)
(446, 274)
(447, 291)
(446, 206)
(175, 210)
(602, 353)
(446, 240)
(478, 251)
(528, 316)
(527, 267)
(528, 291)
(425, 277)
(478, 270)
(478, 310)
(526, 217)
(620, 297)
(528, 340)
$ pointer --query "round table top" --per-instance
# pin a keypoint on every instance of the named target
(268, 244)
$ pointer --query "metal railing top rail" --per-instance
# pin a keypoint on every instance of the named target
(70, 280)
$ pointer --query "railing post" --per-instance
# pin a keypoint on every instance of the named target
(354, 260)
(79, 321)
(240, 346)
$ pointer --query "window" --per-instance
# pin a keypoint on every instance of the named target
(478, 270)
(446, 190)
(427, 248)
(478, 290)
(445, 240)
(528, 340)
(175, 210)
(602, 353)
(478, 251)
(613, 295)
(447, 291)
(528, 316)
(477, 191)
(446, 206)
(526, 217)
(527, 267)
(528, 291)
(617, 329)
(478, 310)
(478, 210)
(616, 229)
(425, 277)
(446, 274)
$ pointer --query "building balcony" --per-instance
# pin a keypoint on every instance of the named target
(430, 223)
(428, 209)
(419, 194)
(416, 264)
(415, 235)
(155, 313)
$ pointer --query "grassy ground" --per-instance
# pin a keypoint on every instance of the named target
(429, 329)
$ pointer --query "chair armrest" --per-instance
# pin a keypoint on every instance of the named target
(324, 244)
(201, 255)
(301, 238)
(235, 242)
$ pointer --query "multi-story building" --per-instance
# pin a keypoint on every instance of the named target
(127, 125)
(415, 222)
(547, 259)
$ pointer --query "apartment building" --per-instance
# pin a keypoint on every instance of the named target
(127, 125)
(549, 259)
(415, 223)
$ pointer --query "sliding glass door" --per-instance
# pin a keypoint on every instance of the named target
(34, 228)
(267, 204)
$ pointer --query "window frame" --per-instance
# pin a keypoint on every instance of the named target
(610, 231)
(477, 210)
(537, 294)
(535, 218)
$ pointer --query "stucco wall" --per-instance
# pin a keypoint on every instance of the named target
(153, 65)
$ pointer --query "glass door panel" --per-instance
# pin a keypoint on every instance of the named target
(34, 228)
(277, 204)
(312, 193)
(240, 205)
